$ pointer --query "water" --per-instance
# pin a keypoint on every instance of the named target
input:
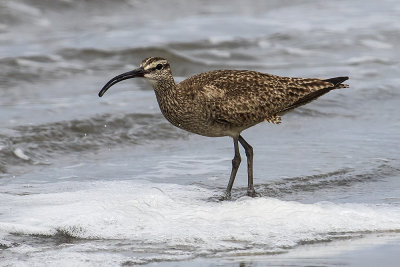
(99, 182)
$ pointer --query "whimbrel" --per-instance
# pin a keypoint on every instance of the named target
(226, 102)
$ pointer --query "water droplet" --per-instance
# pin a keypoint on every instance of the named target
(105, 125)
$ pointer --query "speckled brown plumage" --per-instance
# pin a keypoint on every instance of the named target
(226, 102)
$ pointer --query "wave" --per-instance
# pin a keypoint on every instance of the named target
(67, 62)
(295, 188)
(152, 221)
(37, 144)
(343, 178)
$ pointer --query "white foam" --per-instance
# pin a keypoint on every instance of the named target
(162, 216)
(367, 59)
(376, 44)
(21, 154)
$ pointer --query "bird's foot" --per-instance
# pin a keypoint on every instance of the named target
(251, 192)
(225, 196)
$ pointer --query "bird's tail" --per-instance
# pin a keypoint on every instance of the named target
(337, 82)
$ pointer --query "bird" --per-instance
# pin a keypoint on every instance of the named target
(226, 102)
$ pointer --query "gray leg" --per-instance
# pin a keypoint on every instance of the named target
(249, 154)
(235, 166)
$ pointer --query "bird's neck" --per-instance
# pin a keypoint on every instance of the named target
(163, 86)
(166, 91)
(170, 100)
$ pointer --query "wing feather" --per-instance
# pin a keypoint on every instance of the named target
(240, 96)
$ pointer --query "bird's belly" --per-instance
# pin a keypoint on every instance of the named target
(205, 128)
(197, 119)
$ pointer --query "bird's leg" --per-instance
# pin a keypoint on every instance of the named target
(249, 154)
(235, 166)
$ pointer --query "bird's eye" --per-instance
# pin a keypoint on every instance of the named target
(159, 66)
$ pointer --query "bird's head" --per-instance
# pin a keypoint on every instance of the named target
(154, 69)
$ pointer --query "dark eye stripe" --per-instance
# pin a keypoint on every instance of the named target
(166, 65)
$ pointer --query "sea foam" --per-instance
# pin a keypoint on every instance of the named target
(166, 215)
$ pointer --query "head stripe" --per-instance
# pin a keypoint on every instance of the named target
(153, 61)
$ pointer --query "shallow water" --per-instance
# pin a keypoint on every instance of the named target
(90, 181)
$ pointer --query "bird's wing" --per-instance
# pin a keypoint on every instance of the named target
(248, 96)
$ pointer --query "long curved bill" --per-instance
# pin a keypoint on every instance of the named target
(139, 72)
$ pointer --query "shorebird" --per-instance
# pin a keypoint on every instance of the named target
(226, 102)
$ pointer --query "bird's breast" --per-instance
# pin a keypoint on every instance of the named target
(193, 115)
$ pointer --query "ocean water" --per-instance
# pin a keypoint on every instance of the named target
(89, 181)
